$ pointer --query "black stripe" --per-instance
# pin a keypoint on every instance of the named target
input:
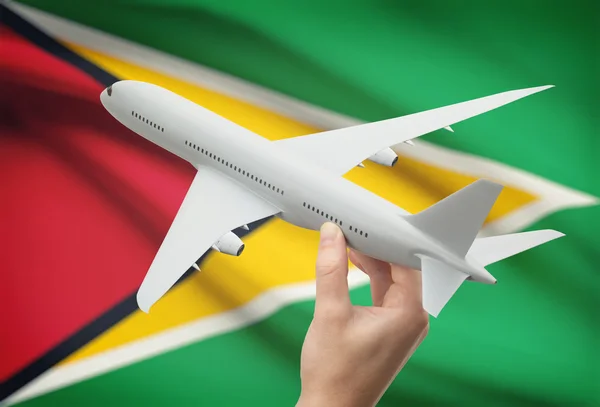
(39, 38)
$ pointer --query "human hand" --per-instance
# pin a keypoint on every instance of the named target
(351, 354)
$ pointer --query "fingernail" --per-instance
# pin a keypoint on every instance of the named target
(329, 232)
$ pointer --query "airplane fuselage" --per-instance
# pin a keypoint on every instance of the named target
(370, 224)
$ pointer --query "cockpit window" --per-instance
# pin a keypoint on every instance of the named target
(109, 90)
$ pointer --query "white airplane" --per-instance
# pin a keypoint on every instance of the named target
(242, 177)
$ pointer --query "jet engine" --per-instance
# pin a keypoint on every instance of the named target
(230, 244)
(386, 157)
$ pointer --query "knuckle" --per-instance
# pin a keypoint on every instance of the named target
(412, 316)
(401, 319)
(330, 315)
(417, 315)
(422, 320)
(327, 266)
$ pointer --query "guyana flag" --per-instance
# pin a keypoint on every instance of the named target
(85, 203)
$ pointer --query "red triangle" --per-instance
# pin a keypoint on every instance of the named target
(85, 203)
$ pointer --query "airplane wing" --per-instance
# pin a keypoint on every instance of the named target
(213, 206)
(341, 150)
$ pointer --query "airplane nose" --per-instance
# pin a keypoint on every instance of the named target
(106, 95)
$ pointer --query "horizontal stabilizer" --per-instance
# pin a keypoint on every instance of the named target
(456, 220)
(440, 282)
(489, 250)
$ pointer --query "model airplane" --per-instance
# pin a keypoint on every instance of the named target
(242, 177)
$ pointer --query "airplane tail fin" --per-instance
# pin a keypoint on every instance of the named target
(489, 250)
(455, 220)
(440, 281)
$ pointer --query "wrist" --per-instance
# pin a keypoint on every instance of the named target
(322, 399)
(317, 400)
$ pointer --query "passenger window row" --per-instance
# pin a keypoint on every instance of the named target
(234, 167)
(357, 231)
(147, 121)
(333, 219)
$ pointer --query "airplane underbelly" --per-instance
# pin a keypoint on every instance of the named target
(299, 220)
(386, 245)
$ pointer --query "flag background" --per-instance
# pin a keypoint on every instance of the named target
(87, 202)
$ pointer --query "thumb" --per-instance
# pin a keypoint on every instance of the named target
(332, 271)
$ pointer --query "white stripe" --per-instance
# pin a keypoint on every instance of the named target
(552, 197)
(261, 307)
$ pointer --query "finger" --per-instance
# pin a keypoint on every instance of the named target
(379, 273)
(332, 271)
(406, 289)
(411, 279)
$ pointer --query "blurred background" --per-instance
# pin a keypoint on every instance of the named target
(85, 203)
